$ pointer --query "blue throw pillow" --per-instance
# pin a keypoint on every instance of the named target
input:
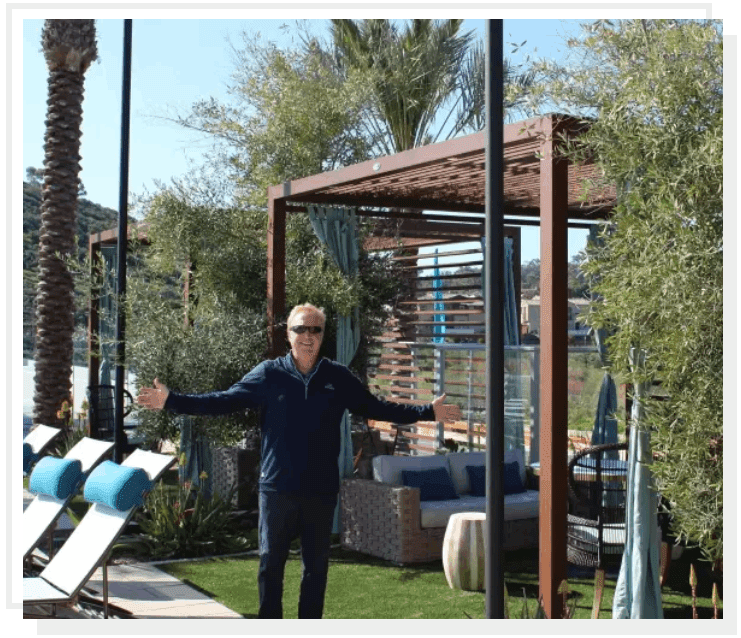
(55, 477)
(512, 479)
(477, 477)
(434, 484)
(117, 486)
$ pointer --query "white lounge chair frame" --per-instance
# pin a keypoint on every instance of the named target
(88, 546)
(42, 513)
(41, 438)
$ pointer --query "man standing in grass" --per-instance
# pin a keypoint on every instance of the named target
(301, 399)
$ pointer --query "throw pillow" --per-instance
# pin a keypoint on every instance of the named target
(512, 480)
(477, 477)
(434, 484)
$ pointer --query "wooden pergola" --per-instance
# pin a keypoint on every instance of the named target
(540, 186)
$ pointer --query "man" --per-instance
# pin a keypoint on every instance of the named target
(301, 399)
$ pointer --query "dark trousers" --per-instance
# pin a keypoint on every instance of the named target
(284, 517)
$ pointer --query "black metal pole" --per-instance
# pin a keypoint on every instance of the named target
(123, 235)
(494, 301)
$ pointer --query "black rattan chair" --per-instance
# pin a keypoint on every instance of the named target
(102, 402)
(597, 483)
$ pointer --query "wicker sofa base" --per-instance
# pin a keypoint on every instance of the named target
(383, 520)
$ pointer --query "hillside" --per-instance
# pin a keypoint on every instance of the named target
(91, 218)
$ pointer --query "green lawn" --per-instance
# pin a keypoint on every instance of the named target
(363, 587)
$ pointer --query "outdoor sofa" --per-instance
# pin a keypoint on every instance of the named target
(384, 517)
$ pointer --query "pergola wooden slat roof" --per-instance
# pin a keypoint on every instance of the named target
(450, 176)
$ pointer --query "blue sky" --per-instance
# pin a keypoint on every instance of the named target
(175, 62)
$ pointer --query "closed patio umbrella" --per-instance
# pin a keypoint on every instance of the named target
(605, 420)
(638, 591)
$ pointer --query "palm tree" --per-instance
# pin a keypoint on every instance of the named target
(412, 72)
(417, 74)
(69, 47)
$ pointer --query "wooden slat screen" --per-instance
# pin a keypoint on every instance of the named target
(401, 368)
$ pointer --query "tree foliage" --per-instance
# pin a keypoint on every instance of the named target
(655, 93)
(291, 114)
(210, 339)
(413, 73)
(426, 79)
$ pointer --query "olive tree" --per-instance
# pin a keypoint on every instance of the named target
(652, 92)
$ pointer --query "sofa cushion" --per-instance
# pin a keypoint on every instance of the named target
(458, 462)
(434, 484)
(387, 468)
(516, 507)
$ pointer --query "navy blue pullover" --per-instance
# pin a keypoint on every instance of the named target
(300, 418)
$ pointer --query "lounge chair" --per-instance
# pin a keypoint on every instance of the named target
(115, 497)
(42, 513)
(35, 444)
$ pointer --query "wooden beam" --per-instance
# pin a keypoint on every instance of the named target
(553, 374)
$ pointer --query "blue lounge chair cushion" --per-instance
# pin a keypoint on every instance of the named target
(56, 477)
(28, 457)
(117, 486)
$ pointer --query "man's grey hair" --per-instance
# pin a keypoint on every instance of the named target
(306, 307)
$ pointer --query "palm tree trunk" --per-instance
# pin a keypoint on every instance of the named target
(69, 47)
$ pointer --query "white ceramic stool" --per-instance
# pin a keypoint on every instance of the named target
(464, 555)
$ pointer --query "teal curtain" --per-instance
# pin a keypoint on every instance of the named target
(514, 391)
(511, 332)
(337, 229)
(638, 591)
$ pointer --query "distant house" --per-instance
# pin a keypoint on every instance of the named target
(530, 318)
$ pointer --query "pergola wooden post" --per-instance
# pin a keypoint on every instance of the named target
(553, 371)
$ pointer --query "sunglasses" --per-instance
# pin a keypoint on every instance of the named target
(299, 330)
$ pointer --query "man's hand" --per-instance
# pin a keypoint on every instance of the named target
(445, 412)
(153, 398)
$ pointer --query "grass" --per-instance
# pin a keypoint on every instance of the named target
(360, 586)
